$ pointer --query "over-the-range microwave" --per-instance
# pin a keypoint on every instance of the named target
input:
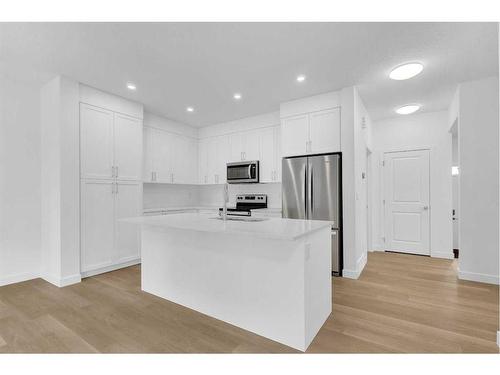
(243, 172)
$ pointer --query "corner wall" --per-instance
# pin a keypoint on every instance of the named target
(20, 197)
(479, 180)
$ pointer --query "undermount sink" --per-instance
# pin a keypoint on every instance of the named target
(242, 218)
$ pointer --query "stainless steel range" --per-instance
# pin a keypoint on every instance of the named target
(245, 203)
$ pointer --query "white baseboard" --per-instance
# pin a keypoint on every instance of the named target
(360, 265)
(17, 278)
(443, 255)
(478, 277)
(63, 281)
(113, 267)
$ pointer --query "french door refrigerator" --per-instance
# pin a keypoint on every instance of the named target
(312, 191)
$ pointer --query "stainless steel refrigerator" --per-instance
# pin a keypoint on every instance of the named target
(312, 191)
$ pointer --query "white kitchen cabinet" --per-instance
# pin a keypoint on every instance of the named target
(96, 142)
(127, 147)
(295, 135)
(106, 242)
(324, 131)
(244, 146)
(203, 161)
(170, 158)
(97, 224)
(110, 143)
(128, 203)
(270, 158)
(312, 133)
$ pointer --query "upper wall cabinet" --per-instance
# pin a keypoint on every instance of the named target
(259, 144)
(111, 144)
(244, 146)
(312, 133)
(169, 158)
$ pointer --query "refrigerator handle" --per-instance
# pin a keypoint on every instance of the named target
(311, 192)
(305, 192)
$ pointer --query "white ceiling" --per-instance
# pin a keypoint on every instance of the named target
(176, 65)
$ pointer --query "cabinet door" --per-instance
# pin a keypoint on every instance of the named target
(162, 159)
(277, 154)
(294, 135)
(128, 203)
(97, 224)
(267, 158)
(211, 155)
(147, 168)
(221, 158)
(96, 142)
(251, 147)
(128, 147)
(236, 147)
(191, 155)
(324, 131)
(203, 161)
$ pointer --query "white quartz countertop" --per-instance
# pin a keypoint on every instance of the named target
(180, 208)
(273, 228)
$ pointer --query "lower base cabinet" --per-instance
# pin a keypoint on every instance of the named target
(106, 243)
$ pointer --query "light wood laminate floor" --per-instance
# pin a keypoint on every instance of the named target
(401, 303)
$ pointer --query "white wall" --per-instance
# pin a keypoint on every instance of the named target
(170, 195)
(20, 197)
(411, 132)
(479, 180)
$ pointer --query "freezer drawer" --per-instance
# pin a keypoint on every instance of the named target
(335, 252)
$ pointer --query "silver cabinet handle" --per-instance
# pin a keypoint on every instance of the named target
(112, 171)
(171, 177)
(116, 192)
(116, 171)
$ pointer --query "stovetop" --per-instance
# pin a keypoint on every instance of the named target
(245, 203)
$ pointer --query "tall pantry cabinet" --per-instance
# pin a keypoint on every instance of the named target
(111, 187)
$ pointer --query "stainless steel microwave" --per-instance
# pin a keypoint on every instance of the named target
(243, 172)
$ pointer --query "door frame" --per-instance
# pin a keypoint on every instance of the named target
(383, 187)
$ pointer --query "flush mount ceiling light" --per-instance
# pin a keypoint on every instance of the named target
(237, 96)
(406, 71)
(190, 109)
(301, 78)
(407, 109)
(131, 86)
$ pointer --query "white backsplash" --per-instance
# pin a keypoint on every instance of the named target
(211, 195)
(167, 195)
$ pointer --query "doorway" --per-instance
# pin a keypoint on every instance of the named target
(406, 201)
(455, 187)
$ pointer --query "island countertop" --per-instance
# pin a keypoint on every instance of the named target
(272, 228)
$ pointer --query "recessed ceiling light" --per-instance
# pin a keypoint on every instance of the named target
(190, 109)
(406, 71)
(131, 86)
(407, 109)
(301, 78)
(237, 96)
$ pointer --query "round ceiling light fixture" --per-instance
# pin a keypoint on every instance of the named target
(408, 109)
(237, 96)
(190, 109)
(301, 78)
(406, 71)
(131, 86)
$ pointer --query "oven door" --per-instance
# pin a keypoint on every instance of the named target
(243, 172)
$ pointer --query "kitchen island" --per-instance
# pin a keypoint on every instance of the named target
(271, 276)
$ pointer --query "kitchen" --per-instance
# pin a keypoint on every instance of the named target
(245, 210)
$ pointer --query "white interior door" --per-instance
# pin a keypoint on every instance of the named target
(406, 186)
(128, 197)
(96, 137)
(128, 147)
